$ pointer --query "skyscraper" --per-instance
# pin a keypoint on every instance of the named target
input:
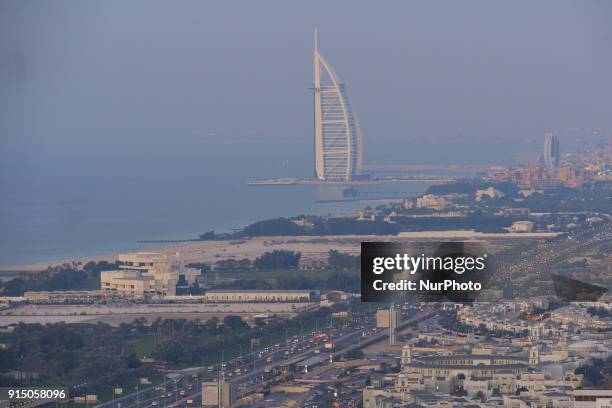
(551, 151)
(338, 136)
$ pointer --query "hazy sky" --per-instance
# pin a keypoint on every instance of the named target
(141, 80)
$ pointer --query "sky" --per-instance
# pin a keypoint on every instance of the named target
(131, 85)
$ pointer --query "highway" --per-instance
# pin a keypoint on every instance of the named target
(253, 366)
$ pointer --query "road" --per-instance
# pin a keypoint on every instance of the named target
(254, 365)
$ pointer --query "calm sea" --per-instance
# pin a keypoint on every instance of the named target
(60, 209)
(65, 201)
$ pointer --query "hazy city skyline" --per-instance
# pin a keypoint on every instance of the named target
(191, 216)
(175, 107)
(88, 79)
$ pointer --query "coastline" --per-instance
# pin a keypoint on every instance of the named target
(310, 246)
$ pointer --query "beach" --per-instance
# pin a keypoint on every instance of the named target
(312, 248)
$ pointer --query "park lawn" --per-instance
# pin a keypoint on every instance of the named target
(144, 345)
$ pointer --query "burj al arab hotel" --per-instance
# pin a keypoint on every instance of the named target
(338, 136)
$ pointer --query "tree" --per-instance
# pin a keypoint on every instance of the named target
(133, 361)
(276, 226)
(208, 236)
(211, 325)
(233, 265)
(277, 260)
(234, 323)
(340, 261)
(7, 359)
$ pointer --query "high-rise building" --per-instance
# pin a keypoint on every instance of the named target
(551, 151)
(338, 136)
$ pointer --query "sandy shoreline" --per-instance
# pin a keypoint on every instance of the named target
(311, 247)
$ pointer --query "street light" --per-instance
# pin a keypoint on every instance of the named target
(137, 395)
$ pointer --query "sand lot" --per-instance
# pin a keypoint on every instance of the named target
(311, 247)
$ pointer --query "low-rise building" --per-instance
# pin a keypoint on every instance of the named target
(490, 192)
(522, 226)
(217, 394)
(591, 398)
(431, 201)
(143, 274)
(63, 296)
(258, 296)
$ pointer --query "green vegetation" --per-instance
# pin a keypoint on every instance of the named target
(476, 221)
(341, 273)
(482, 216)
(339, 261)
(233, 265)
(317, 226)
(597, 373)
(315, 280)
(67, 355)
(599, 312)
(68, 276)
(102, 356)
(277, 260)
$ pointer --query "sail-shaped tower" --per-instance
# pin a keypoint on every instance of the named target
(338, 135)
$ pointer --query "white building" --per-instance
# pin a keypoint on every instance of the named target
(217, 394)
(490, 192)
(147, 274)
(591, 398)
(431, 201)
(522, 226)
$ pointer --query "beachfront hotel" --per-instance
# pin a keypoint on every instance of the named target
(338, 136)
(143, 274)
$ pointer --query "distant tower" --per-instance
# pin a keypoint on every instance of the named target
(407, 354)
(393, 317)
(534, 355)
(338, 135)
(551, 151)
